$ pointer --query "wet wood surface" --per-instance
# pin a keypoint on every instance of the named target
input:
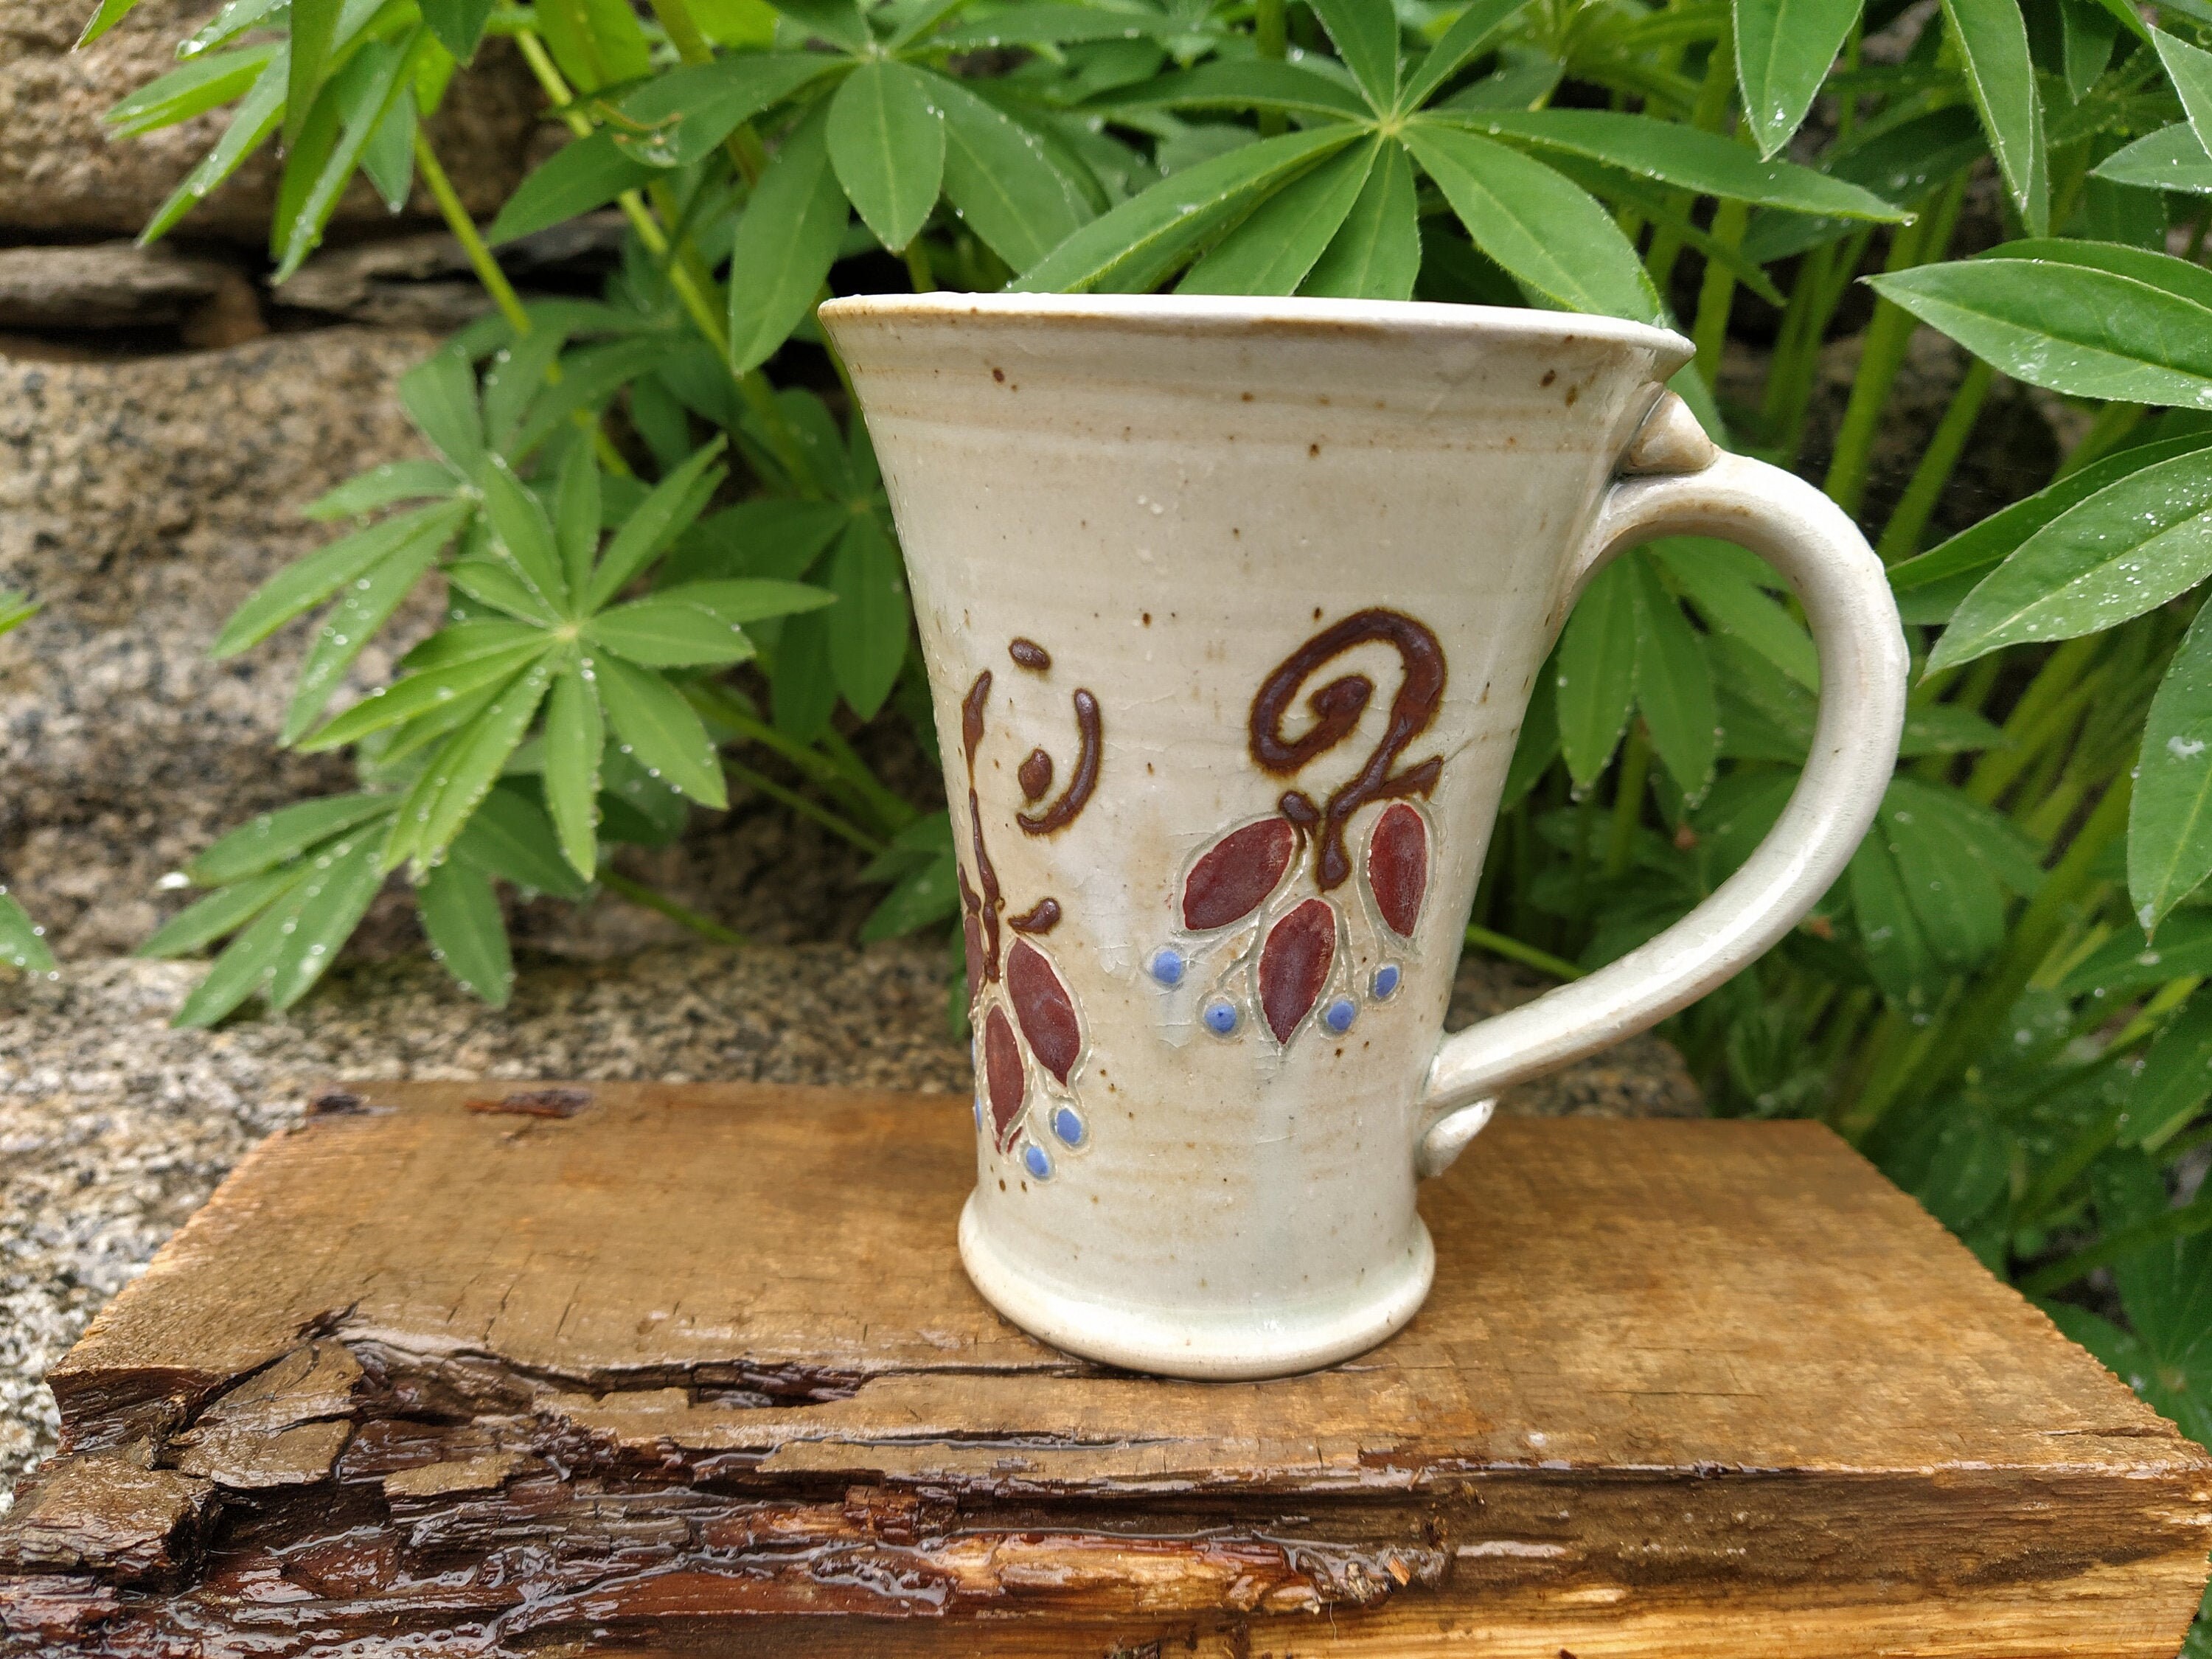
(465, 1368)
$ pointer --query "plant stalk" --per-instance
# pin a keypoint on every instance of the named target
(1527, 955)
(638, 893)
(1900, 536)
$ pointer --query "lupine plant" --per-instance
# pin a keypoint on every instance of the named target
(2000, 1001)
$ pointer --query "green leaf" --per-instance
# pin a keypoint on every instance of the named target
(589, 378)
(200, 925)
(1680, 155)
(2076, 329)
(1544, 230)
(576, 516)
(868, 628)
(1538, 743)
(510, 836)
(1945, 728)
(2129, 963)
(458, 24)
(412, 538)
(461, 915)
(751, 599)
(381, 486)
(1471, 32)
(928, 893)
(1377, 253)
(597, 43)
(230, 21)
(257, 116)
(887, 143)
(2132, 545)
(241, 970)
(203, 84)
(1992, 38)
(111, 13)
(778, 537)
(663, 632)
(347, 113)
(680, 117)
(439, 396)
(1246, 84)
(1730, 603)
(805, 687)
(1897, 953)
(837, 22)
(2172, 158)
(1143, 241)
(513, 380)
(2176, 1078)
(1784, 51)
(1279, 242)
(1366, 37)
(1001, 179)
(1674, 683)
(1596, 663)
(362, 610)
(312, 28)
(785, 244)
(274, 838)
(2170, 818)
(493, 582)
(521, 529)
(2190, 69)
(575, 736)
(659, 730)
(1051, 22)
(462, 772)
(341, 883)
(22, 942)
(1956, 1163)
(583, 174)
(2086, 33)
(420, 694)
(663, 516)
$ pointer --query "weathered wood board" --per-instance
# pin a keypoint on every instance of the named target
(462, 1370)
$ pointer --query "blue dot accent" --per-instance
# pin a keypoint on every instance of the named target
(1338, 1015)
(1221, 1018)
(1386, 980)
(1067, 1126)
(1040, 1166)
(1167, 966)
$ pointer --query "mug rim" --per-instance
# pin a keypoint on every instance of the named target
(1305, 315)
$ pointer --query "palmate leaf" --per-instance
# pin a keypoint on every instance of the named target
(1733, 604)
(1471, 32)
(1376, 253)
(198, 926)
(588, 173)
(463, 769)
(2190, 69)
(510, 836)
(677, 118)
(838, 22)
(774, 536)
(326, 906)
(278, 838)
(1783, 50)
(256, 117)
(2129, 547)
(665, 631)
(305, 584)
(458, 24)
(2172, 158)
(422, 693)
(362, 609)
(439, 396)
(887, 144)
(1541, 227)
(1674, 683)
(1054, 22)
(663, 515)
(1992, 38)
(202, 83)
(2134, 331)
(521, 529)
(1143, 241)
(1287, 234)
(2130, 961)
(348, 113)
(597, 43)
(868, 627)
(2169, 816)
(1366, 39)
(313, 29)
(804, 685)
(1684, 157)
(23, 941)
(785, 245)
(575, 736)
(2175, 1079)
(1246, 84)
(382, 486)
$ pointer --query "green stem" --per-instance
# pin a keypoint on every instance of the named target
(1888, 335)
(2185, 1223)
(638, 893)
(2060, 671)
(889, 807)
(1717, 294)
(918, 273)
(799, 803)
(456, 216)
(1900, 536)
(1715, 94)
(1527, 955)
(2040, 743)
(1271, 38)
(684, 35)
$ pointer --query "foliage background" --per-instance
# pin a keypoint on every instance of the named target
(671, 564)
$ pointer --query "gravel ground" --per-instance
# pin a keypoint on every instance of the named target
(114, 1127)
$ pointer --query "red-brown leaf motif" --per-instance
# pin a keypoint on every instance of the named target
(1236, 875)
(1294, 965)
(1045, 1009)
(1004, 1080)
(1398, 867)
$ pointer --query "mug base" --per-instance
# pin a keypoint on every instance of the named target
(1205, 1345)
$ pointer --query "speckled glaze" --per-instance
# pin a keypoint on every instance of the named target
(1231, 610)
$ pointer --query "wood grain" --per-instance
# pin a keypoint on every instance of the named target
(695, 1369)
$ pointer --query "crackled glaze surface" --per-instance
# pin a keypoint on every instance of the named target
(1232, 611)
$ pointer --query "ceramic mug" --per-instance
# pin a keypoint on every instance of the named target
(1231, 610)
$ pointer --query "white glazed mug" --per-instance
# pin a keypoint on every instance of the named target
(1231, 610)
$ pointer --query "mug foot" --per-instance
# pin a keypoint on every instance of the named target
(1209, 1344)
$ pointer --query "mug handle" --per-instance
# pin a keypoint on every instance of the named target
(1819, 551)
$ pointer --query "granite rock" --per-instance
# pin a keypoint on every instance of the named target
(114, 285)
(61, 176)
(114, 1127)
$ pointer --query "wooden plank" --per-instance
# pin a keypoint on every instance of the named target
(697, 1366)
